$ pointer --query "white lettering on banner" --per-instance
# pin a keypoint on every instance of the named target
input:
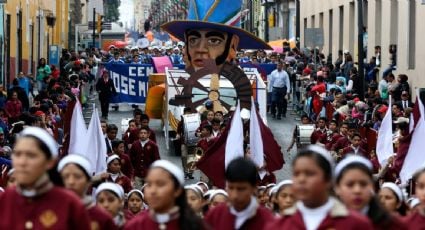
(142, 71)
(131, 83)
(142, 88)
(116, 79)
(124, 86)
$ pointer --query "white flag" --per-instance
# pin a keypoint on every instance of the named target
(384, 144)
(78, 131)
(234, 142)
(255, 139)
(415, 158)
(96, 146)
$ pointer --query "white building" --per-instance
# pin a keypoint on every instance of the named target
(387, 22)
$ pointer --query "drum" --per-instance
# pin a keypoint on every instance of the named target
(304, 133)
(191, 124)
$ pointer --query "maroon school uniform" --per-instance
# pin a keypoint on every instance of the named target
(269, 178)
(416, 221)
(145, 221)
(126, 166)
(122, 180)
(394, 223)
(339, 218)
(129, 215)
(331, 140)
(318, 135)
(221, 218)
(142, 157)
(99, 219)
(130, 136)
(341, 143)
(350, 150)
(152, 135)
(55, 209)
(205, 143)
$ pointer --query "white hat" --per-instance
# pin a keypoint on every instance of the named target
(171, 168)
(11, 171)
(322, 152)
(283, 183)
(109, 186)
(393, 187)
(111, 158)
(136, 191)
(401, 120)
(77, 159)
(273, 191)
(203, 183)
(350, 159)
(413, 202)
(44, 137)
(217, 192)
(245, 114)
(180, 43)
(195, 188)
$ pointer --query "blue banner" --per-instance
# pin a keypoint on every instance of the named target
(131, 82)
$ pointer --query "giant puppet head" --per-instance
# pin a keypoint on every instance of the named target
(212, 31)
(212, 37)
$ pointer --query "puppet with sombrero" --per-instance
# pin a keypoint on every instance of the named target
(213, 36)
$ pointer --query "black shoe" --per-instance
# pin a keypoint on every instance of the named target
(274, 115)
(284, 115)
(279, 118)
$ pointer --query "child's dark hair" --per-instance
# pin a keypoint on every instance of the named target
(116, 143)
(187, 219)
(241, 170)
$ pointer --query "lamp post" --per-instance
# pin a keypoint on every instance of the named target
(360, 31)
(51, 19)
(298, 23)
(266, 20)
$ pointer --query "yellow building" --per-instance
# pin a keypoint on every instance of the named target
(27, 34)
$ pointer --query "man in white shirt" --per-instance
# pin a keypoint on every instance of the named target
(280, 86)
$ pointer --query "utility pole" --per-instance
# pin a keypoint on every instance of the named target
(94, 28)
(360, 44)
(266, 18)
(298, 24)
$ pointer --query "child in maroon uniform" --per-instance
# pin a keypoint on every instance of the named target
(118, 148)
(135, 204)
(115, 175)
(131, 135)
(75, 172)
(142, 154)
(416, 220)
(35, 203)
(144, 120)
(243, 210)
(167, 201)
(316, 209)
(110, 197)
(354, 183)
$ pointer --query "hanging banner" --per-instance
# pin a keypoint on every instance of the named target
(131, 82)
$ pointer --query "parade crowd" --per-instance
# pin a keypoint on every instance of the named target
(337, 181)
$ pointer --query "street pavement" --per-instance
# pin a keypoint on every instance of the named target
(282, 130)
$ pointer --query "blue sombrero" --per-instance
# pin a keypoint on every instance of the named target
(222, 15)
